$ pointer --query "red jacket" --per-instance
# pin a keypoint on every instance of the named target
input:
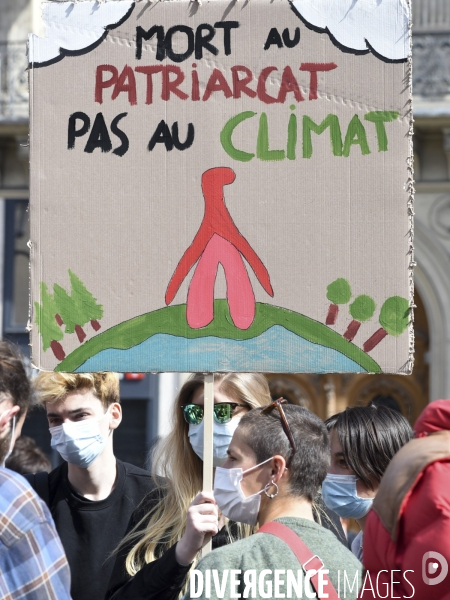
(411, 517)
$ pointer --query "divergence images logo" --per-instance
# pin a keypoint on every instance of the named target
(434, 568)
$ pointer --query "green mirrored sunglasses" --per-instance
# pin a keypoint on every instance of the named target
(223, 411)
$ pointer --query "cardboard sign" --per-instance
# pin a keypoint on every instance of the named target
(222, 186)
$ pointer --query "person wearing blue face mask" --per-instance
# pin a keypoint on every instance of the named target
(277, 460)
(92, 494)
(174, 522)
(226, 418)
(363, 440)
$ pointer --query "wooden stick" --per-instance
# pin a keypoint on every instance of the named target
(208, 396)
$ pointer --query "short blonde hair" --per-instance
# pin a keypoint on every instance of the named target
(53, 387)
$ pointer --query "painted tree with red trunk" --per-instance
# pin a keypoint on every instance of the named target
(361, 309)
(89, 308)
(47, 326)
(69, 312)
(78, 308)
(394, 319)
(338, 292)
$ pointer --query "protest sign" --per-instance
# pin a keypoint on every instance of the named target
(270, 139)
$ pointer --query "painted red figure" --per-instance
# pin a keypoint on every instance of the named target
(218, 241)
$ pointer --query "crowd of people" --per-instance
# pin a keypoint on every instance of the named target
(285, 482)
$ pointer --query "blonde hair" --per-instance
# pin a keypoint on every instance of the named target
(53, 387)
(176, 461)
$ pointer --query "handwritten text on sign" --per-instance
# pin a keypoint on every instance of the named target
(139, 84)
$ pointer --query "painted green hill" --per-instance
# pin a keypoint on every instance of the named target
(171, 320)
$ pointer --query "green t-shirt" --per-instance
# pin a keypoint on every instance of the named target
(263, 566)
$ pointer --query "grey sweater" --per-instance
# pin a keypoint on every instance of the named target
(262, 551)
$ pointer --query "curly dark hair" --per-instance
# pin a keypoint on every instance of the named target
(14, 381)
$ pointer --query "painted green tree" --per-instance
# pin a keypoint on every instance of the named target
(89, 308)
(78, 308)
(50, 332)
(68, 312)
(394, 319)
(338, 292)
(361, 309)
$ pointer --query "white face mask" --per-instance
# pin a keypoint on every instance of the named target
(79, 443)
(223, 432)
(230, 497)
(11, 444)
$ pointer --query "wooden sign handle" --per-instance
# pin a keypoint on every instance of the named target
(208, 420)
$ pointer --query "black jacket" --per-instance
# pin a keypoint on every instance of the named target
(91, 530)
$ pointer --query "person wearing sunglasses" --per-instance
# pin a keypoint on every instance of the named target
(171, 525)
(277, 460)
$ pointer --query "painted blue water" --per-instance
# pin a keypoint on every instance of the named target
(277, 350)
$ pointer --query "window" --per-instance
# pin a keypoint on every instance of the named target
(16, 270)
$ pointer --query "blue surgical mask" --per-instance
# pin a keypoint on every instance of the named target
(79, 443)
(223, 432)
(339, 494)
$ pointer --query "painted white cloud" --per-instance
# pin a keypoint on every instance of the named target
(74, 26)
(353, 23)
